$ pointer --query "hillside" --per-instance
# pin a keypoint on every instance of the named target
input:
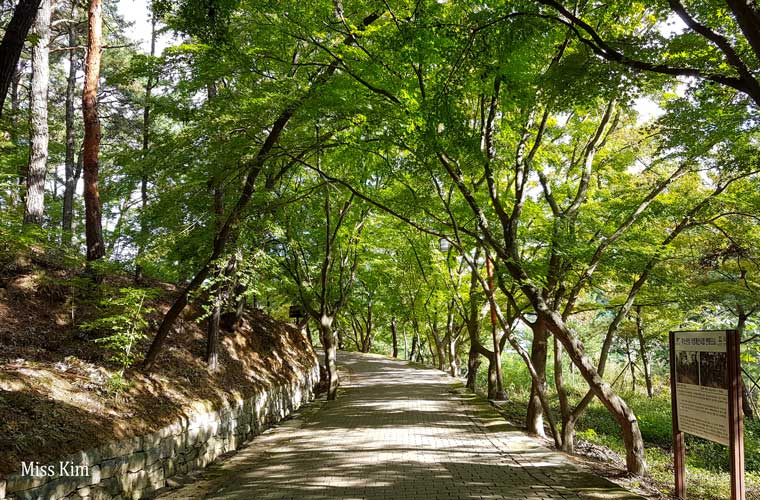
(55, 396)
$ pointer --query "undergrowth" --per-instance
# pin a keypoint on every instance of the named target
(706, 462)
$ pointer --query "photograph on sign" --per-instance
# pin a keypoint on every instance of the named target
(702, 384)
(687, 367)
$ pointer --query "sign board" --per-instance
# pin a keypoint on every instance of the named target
(705, 383)
(702, 384)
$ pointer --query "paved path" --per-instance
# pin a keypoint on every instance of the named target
(397, 432)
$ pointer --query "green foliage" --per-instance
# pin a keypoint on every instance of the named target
(124, 318)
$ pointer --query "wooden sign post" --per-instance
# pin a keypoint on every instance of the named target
(706, 399)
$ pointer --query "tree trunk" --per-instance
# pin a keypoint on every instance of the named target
(626, 419)
(331, 354)
(309, 334)
(414, 353)
(70, 181)
(499, 394)
(217, 292)
(34, 202)
(17, 195)
(440, 353)
(212, 345)
(453, 364)
(473, 330)
(473, 364)
(13, 43)
(145, 148)
(567, 436)
(630, 363)
(539, 348)
(749, 413)
(568, 433)
(394, 336)
(741, 325)
(93, 226)
(644, 354)
(493, 386)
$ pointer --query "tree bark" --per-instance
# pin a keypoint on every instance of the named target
(34, 202)
(217, 294)
(331, 354)
(644, 353)
(630, 363)
(414, 352)
(70, 161)
(626, 419)
(539, 349)
(93, 226)
(473, 329)
(13, 43)
(145, 147)
(749, 414)
(17, 194)
(212, 344)
(394, 334)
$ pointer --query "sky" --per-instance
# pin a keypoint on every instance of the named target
(136, 12)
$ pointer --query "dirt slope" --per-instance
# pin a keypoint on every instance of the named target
(54, 391)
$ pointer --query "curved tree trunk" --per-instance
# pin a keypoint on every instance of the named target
(626, 419)
(34, 202)
(93, 226)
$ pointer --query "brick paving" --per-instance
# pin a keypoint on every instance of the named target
(398, 432)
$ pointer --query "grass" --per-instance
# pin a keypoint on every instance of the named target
(707, 463)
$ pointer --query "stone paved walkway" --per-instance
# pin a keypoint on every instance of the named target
(397, 432)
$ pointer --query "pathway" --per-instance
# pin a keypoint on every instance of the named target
(397, 432)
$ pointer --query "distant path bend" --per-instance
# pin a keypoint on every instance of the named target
(398, 431)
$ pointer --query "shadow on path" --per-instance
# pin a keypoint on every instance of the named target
(398, 431)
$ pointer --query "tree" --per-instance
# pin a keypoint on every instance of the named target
(34, 202)
(13, 43)
(322, 256)
(93, 225)
(71, 170)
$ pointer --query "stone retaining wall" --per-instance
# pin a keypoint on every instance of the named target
(135, 467)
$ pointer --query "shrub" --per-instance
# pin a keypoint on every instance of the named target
(125, 320)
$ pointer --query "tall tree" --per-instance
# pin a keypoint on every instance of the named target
(34, 202)
(93, 225)
(70, 172)
(146, 124)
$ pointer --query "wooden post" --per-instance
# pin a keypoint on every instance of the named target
(679, 445)
(735, 416)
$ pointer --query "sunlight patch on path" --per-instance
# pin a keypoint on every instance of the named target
(397, 431)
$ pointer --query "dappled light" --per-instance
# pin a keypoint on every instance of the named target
(397, 431)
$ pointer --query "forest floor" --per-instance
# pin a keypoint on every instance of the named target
(56, 390)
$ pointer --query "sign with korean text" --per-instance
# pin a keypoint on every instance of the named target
(702, 384)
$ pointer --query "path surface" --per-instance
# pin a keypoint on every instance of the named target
(397, 432)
